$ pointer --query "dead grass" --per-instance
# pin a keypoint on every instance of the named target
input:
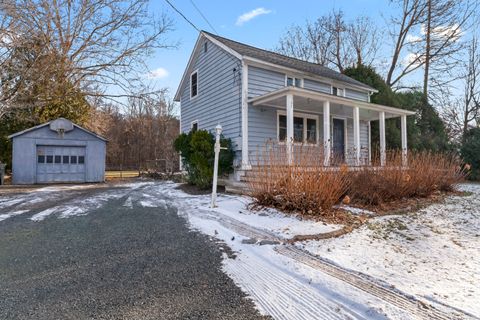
(305, 186)
(425, 174)
(308, 187)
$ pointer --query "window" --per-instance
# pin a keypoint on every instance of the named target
(66, 159)
(73, 159)
(49, 159)
(58, 159)
(282, 128)
(312, 131)
(205, 47)
(337, 91)
(194, 84)
(298, 129)
(81, 159)
(294, 82)
(194, 126)
(41, 159)
(304, 128)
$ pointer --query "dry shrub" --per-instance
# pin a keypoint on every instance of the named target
(305, 186)
(308, 187)
(425, 174)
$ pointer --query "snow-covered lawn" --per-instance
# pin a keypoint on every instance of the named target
(433, 253)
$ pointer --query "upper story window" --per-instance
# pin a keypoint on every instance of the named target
(194, 84)
(338, 92)
(294, 82)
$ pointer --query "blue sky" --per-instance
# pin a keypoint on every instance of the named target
(263, 30)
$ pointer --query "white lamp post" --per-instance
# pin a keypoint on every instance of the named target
(218, 131)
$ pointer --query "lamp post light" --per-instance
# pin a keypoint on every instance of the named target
(218, 131)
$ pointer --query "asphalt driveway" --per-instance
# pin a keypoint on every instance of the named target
(103, 253)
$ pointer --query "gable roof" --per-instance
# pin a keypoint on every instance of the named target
(48, 123)
(289, 62)
(241, 50)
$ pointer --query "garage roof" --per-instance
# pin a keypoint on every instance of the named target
(48, 123)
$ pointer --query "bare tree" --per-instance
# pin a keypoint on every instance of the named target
(144, 133)
(313, 42)
(98, 45)
(332, 42)
(466, 112)
(439, 25)
(364, 39)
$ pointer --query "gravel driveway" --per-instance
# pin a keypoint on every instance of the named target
(114, 258)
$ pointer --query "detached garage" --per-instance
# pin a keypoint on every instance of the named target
(58, 151)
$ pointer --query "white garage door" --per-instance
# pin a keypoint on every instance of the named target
(60, 164)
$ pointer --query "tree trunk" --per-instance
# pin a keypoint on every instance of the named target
(427, 49)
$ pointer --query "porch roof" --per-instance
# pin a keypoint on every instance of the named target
(277, 98)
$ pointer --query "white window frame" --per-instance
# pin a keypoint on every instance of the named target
(338, 88)
(304, 116)
(192, 123)
(294, 79)
(190, 88)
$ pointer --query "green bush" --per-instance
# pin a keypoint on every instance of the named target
(471, 152)
(198, 156)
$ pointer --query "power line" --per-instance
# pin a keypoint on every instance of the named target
(183, 16)
(204, 18)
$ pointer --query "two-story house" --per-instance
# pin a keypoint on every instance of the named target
(258, 95)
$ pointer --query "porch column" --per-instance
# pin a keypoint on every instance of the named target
(289, 143)
(245, 155)
(404, 140)
(356, 134)
(326, 133)
(383, 155)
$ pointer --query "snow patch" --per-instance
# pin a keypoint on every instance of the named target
(433, 253)
(11, 214)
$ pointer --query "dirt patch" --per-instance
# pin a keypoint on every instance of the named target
(407, 205)
(196, 191)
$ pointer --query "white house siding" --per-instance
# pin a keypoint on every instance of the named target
(317, 86)
(355, 94)
(219, 93)
(262, 81)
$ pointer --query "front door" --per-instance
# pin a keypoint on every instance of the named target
(338, 138)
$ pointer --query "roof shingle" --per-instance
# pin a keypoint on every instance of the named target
(288, 62)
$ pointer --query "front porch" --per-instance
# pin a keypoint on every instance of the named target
(335, 129)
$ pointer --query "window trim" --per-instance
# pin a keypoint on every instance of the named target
(192, 123)
(338, 88)
(294, 79)
(190, 88)
(304, 116)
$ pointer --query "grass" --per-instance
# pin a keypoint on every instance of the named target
(109, 175)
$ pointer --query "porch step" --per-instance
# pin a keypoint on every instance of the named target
(236, 187)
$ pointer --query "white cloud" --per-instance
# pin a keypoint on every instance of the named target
(158, 73)
(251, 14)
(412, 58)
(412, 38)
(453, 31)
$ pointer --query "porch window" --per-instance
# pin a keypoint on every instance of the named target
(304, 129)
(282, 128)
(312, 131)
(298, 129)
